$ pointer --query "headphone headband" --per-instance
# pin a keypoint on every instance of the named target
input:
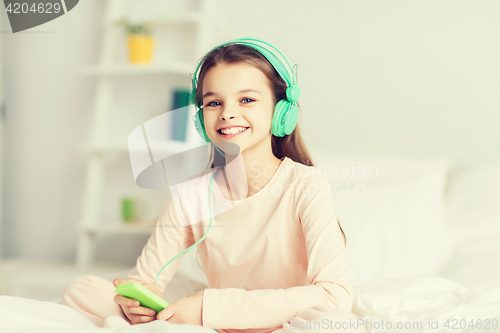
(288, 74)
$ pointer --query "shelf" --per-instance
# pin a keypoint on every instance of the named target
(168, 147)
(139, 69)
(104, 148)
(140, 227)
(165, 17)
(169, 17)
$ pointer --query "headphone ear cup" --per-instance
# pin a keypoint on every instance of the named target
(199, 124)
(279, 112)
(280, 115)
(291, 119)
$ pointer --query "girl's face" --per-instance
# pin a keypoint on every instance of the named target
(238, 106)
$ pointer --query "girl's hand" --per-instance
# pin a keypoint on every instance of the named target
(131, 308)
(186, 310)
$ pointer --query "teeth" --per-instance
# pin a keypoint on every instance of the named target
(232, 130)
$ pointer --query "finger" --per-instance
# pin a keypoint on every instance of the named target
(126, 301)
(141, 310)
(121, 300)
(145, 319)
(135, 319)
(153, 288)
(165, 314)
(118, 281)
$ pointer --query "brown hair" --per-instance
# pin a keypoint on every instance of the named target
(291, 146)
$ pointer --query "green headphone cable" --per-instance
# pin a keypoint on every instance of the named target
(201, 239)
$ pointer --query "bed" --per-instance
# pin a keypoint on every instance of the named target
(423, 240)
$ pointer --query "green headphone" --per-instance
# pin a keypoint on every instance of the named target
(286, 111)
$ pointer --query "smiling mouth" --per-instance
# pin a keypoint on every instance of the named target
(231, 133)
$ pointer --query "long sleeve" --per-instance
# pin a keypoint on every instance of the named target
(328, 272)
(167, 241)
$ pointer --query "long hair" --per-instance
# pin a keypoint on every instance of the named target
(291, 146)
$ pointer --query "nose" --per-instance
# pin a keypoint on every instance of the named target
(227, 114)
(223, 117)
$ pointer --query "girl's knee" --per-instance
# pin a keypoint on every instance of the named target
(93, 296)
(86, 281)
(84, 285)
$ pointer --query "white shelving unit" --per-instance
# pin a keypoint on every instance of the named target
(106, 72)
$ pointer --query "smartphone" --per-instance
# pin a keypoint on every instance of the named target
(142, 294)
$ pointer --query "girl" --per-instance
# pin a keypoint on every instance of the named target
(279, 261)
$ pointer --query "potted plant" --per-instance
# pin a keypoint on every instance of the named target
(139, 39)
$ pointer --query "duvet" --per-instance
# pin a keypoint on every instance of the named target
(412, 304)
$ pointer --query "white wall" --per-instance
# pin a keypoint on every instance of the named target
(1, 130)
(48, 105)
(394, 77)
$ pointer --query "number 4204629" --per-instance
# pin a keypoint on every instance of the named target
(23, 8)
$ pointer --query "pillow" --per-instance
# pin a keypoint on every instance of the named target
(472, 208)
(474, 264)
(392, 212)
(473, 215)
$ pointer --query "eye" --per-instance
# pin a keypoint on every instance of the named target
(247, 99)
(209, 104)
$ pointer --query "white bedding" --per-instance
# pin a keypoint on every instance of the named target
(31, 316)
(427, 300)
(398, 289)
(398, 300)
